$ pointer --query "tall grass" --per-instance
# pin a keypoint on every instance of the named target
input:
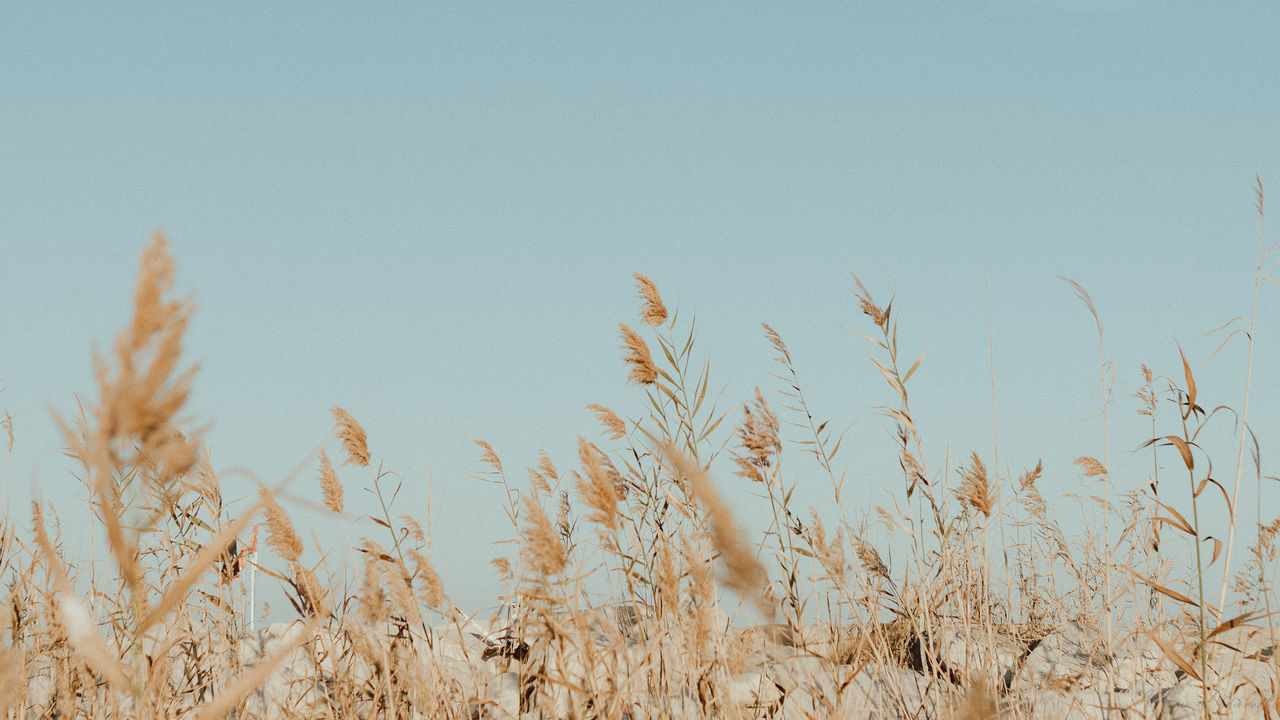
(696, 610)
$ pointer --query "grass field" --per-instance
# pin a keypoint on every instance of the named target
(988, 568)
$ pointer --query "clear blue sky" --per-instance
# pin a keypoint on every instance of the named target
(429, 214)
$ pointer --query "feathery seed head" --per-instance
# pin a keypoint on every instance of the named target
(744, 573)
(489, 457)
(280, 533)
(643, 371)
(329, 484)
(654, 312)
(432, 589)
(599, 490)
(873, 311)
(617, 429)
(354, 441)
(1031, 476)
(784, 355)
(870, 559)
(975, 488)
(758, 436)
(540, 544)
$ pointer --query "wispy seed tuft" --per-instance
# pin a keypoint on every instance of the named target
(654, 312)
(643, 371)
(354, 441)
(329, 484)
(614, 425)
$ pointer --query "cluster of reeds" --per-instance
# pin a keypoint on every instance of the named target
(156, 629)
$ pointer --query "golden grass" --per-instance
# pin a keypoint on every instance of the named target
(162, 634)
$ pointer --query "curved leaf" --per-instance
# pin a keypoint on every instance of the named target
(1183, 448)
(1191, 385)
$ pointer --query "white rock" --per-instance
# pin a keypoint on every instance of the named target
(1184, 701)
(754, 690)
(1064, 656)
(1081, 704)
(975, 652)
(876, 692)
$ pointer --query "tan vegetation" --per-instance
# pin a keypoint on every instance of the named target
(837, 630)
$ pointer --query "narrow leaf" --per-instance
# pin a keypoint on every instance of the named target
(1191, 384)
(1174, 656)
(911, 371)
(1217, 548)
(1183, 449)
(1229, 624)
(1167, 592)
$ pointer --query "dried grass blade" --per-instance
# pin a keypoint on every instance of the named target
(1167, 592)
(1234, 622)
(1177, 521)
(912, 370)
(1191, 384)
(1184, 449)
(1217, 548)
(1174, 656)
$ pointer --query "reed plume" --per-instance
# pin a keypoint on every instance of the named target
(280, 533)
(599, 489)
(654, 313)
(758, 436)
(329, 484)
(489, 457)
(354, 440)
(643, 371)
(540, 544)
(743, 571)
(975, 488)
(614, 426)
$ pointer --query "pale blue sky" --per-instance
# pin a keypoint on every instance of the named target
(429, 214)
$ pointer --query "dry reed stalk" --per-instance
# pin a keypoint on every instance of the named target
(311, 593)
(547, 469)
(75, 619)
(401, 593)
(372, 600)
(878, 315)
(7, 423)
(643, 371)
(654, 313)
(354, 440)
(758, 436)
(544, 475)
(489, 457)
(870, 559)
(1262, 273)
(138, 400)
(745, 574)
(830, 555)
(540, 545)
(975, 488)
(329, 484)
(599, 490)
(565, 525)
(133, 435)
(666, 578)
(280, 533)
(432, 588)
(176, 592)
(614, 426)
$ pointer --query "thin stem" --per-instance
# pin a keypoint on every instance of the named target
(1244, 414)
